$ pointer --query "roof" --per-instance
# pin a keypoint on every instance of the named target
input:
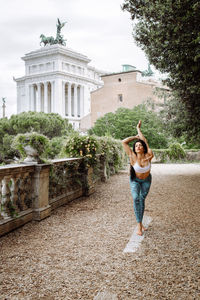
(124, 72)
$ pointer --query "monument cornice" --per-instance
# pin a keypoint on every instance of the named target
(55, 49)
(57, 74)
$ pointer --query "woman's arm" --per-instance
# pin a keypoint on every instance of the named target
(125, 143)
(141, 136)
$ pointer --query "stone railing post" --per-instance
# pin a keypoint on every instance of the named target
(41, 207)
(103, 168)
(89, 185)
(1, 178)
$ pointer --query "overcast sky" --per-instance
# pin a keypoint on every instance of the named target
(98, 29)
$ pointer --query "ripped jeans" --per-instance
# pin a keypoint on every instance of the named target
(139, 191)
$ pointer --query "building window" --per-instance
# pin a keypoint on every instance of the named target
(120, 97)
(119, 79)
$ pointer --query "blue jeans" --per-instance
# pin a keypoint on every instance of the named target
(139, 191)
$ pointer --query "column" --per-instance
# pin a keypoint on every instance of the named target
(63, 99)
(57, 107)
(72, 100)
(49, 97)
(32, 98)
(69, 100)
(66, 99)
(38, 102)
(26, 100)
(52, 96)
(42, 97)
(46, 97)
(75, 100)
(78, 102)
(29, 97)
(82, 100)
(18, 99)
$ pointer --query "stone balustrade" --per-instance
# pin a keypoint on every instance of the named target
(31, 191)
(16, 195)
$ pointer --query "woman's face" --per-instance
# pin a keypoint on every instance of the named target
(139, 147)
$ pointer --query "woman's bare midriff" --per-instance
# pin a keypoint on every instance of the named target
(142, 175)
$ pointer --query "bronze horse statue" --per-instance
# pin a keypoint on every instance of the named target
(50, 39)
(47, 40)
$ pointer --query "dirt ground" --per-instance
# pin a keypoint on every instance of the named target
(78, 251)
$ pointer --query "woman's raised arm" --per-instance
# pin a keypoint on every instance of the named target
(141, 136)
(125, 143)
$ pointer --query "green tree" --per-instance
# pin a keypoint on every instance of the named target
(123, 123)
(169, 33)
(177, 122)
(50, 124)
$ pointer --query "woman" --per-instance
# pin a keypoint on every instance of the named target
(140, 177)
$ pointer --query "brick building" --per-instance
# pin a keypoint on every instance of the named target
(124, 89)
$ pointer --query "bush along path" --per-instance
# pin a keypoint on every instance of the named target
(77, 253)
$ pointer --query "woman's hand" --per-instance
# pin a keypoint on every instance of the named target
(139, 124)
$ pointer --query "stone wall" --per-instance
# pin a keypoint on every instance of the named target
(31, 192)
(161, 156)
(193, 155)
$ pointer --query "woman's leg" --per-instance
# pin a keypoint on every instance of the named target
(135, 191)
(145, 186)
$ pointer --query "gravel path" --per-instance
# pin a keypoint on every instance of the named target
(78, 251)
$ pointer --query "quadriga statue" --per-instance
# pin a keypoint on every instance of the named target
(59, 38)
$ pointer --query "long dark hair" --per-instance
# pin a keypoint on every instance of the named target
(132, 170)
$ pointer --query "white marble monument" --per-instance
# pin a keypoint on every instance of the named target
(59, 80)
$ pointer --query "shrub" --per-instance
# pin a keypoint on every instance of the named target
(8, 152)
(34, 139)
(88, 147)
(48, 124)
(112, 150)
(55, 146)
(81, 146)
(176, 152)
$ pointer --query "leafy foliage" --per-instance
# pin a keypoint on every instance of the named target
(177, 122)
(55, 146)
(7, 148)
(51, 125)
(88, 148)
(112, 150)
(81, 146)
(34, 139)
(169, 33)
(176, 152)
(123, 123)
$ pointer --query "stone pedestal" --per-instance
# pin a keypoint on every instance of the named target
(89, 185)
(41, 207)
(103, 168)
